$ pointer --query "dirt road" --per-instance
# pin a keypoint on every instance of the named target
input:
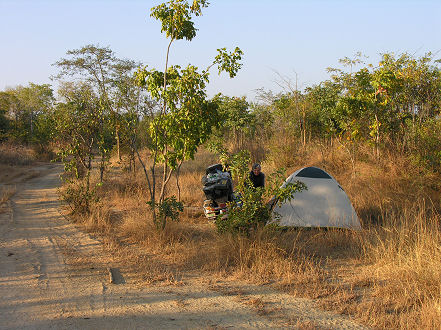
(53, 275)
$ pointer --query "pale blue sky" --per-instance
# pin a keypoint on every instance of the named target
(276, 36)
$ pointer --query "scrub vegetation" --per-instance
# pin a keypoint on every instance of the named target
(135, 143)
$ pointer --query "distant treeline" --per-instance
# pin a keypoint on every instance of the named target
(101, 105)
(392, 106)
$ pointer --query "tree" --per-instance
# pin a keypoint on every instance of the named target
(6, 102)
(131, 101)
(28, 109)
(96, 65)
(35, 100)
(79, 130)
(374, 103)
(237, 120)
(322, 100)
(184, 116)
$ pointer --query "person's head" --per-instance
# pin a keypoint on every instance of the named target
(256, 169)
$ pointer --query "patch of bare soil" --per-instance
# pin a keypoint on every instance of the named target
(53, 275)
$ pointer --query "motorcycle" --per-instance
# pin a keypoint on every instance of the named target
(218, 189)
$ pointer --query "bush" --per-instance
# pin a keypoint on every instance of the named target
(426, 139)
(78, 196)
(246, 213)
(253, 206)
(168, 208)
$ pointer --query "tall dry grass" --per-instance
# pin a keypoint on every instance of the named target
(15, 154)
(402, 262)
(14, 161)
(387, 275)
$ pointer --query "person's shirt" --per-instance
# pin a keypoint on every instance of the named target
(257, 180)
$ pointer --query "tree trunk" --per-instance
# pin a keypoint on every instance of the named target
(177, 181)
(87, 197)
(304, 126)
(32, 124)
(102, 166)
(118, 143)
(377, 139)
(166, 179)
(132, 160)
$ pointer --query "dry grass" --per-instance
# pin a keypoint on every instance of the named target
(6, 193)
(14, 167)
(387, 275)
(12, 154)
(402, 262)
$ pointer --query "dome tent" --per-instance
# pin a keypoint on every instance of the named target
(323, 204)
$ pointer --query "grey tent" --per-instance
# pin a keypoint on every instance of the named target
(323, 204)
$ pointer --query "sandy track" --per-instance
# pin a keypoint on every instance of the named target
(52, 275)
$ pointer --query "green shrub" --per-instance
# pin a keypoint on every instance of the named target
(426, 144)
(253, 206)
(168, 208)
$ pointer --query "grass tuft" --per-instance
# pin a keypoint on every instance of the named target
(6, 193)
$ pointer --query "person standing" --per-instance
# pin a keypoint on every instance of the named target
(257, 177)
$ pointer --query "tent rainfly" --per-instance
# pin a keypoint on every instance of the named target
(323, 204)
